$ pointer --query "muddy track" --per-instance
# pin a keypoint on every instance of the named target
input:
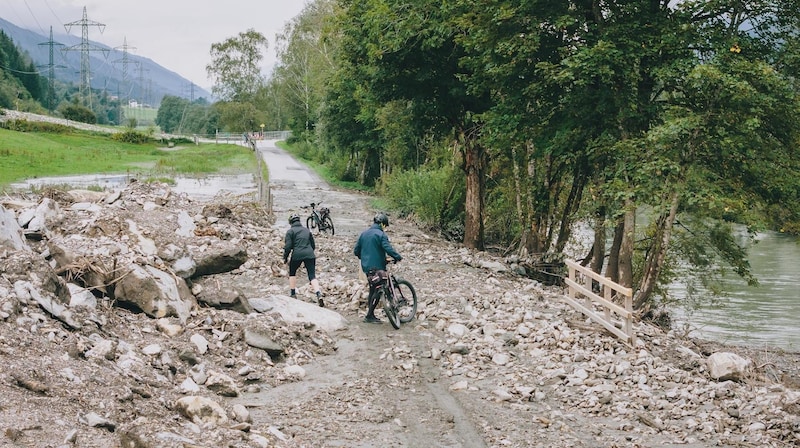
(380, 388)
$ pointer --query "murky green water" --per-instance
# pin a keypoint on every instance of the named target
(766, 315)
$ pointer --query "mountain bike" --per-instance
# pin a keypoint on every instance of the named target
(319, 220)
(396, 295)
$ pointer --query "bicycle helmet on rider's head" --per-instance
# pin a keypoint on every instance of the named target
(293, 218)
(381, 218)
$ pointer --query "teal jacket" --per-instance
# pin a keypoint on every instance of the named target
(372, 247)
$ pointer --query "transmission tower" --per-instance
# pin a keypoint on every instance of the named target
(85, 47)
(51, 72)
(124, 61)
(142, 93)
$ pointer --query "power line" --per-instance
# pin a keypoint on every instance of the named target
(54, 13)
(34, 17)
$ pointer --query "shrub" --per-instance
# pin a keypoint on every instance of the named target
(76, 112)
(432, 196)
(131, 136)
(35, 126)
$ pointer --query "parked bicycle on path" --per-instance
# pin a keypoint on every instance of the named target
(395, 295)
(319, 220)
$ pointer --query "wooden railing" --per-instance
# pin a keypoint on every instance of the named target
(618, 319)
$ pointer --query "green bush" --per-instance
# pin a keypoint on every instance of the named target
(76, 112)
(35, 126)
(131, 136)
(432, 196)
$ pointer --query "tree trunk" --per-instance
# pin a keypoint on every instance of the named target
(599, 252)
(533, 242)
(522, 216)
(625, 262)
(612, 271)
(475, 161)
(657, 253)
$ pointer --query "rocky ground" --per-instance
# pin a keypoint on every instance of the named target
(493, 359)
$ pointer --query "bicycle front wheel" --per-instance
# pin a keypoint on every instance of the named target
(389, 308)
(327, 225)
(310, 223)
(406, 298)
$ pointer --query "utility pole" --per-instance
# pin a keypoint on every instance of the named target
(51, 72)
(85, 47)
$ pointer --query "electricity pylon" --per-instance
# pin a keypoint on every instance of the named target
(51, 72)
(125, 61)
(85, 47)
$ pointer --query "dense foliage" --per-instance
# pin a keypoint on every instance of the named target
(659, 124)
(180, 116)
(20, 83)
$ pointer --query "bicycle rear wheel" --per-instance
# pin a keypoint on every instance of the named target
(406, 300)
(327, 225)
(389, 308)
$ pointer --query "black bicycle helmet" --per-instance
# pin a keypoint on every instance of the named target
(381, 218)
(293, 218)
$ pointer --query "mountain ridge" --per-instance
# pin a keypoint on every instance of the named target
(129, 76)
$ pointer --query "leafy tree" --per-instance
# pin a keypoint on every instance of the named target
(238, 117)
(170, 113)
(305, 51)
(235, 66)
(401, 51)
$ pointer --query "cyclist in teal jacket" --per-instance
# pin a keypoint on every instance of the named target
(372, 248)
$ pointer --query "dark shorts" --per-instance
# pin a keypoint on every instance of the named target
(310, 263)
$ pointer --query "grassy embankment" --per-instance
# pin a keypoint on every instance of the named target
(26, 155)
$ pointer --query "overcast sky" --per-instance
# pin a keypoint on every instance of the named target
(176, 34)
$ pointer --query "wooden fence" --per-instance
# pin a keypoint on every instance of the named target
(618, 319)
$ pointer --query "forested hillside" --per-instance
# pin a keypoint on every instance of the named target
(20, 83)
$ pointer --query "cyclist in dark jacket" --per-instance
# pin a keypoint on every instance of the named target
(299, 242)
(372, 248)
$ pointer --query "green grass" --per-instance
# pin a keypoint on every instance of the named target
(144, 116)
(25, 155)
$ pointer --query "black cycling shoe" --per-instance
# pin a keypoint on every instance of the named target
(320, 302)
(372, 320)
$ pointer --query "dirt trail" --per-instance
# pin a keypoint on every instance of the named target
(378, 389)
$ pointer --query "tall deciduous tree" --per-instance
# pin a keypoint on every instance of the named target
(236, 66)
(406, 51)
(305, 51)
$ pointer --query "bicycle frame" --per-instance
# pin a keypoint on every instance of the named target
(319, 219)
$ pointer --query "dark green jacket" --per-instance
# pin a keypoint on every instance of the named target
(299, 242)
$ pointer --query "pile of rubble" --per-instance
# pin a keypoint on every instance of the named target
(135, 318)
(111, 319)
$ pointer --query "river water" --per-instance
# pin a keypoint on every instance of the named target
(767, 315)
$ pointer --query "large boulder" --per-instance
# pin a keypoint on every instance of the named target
(216, 260)
(11, 236)
(155, 292)
(723, 366)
